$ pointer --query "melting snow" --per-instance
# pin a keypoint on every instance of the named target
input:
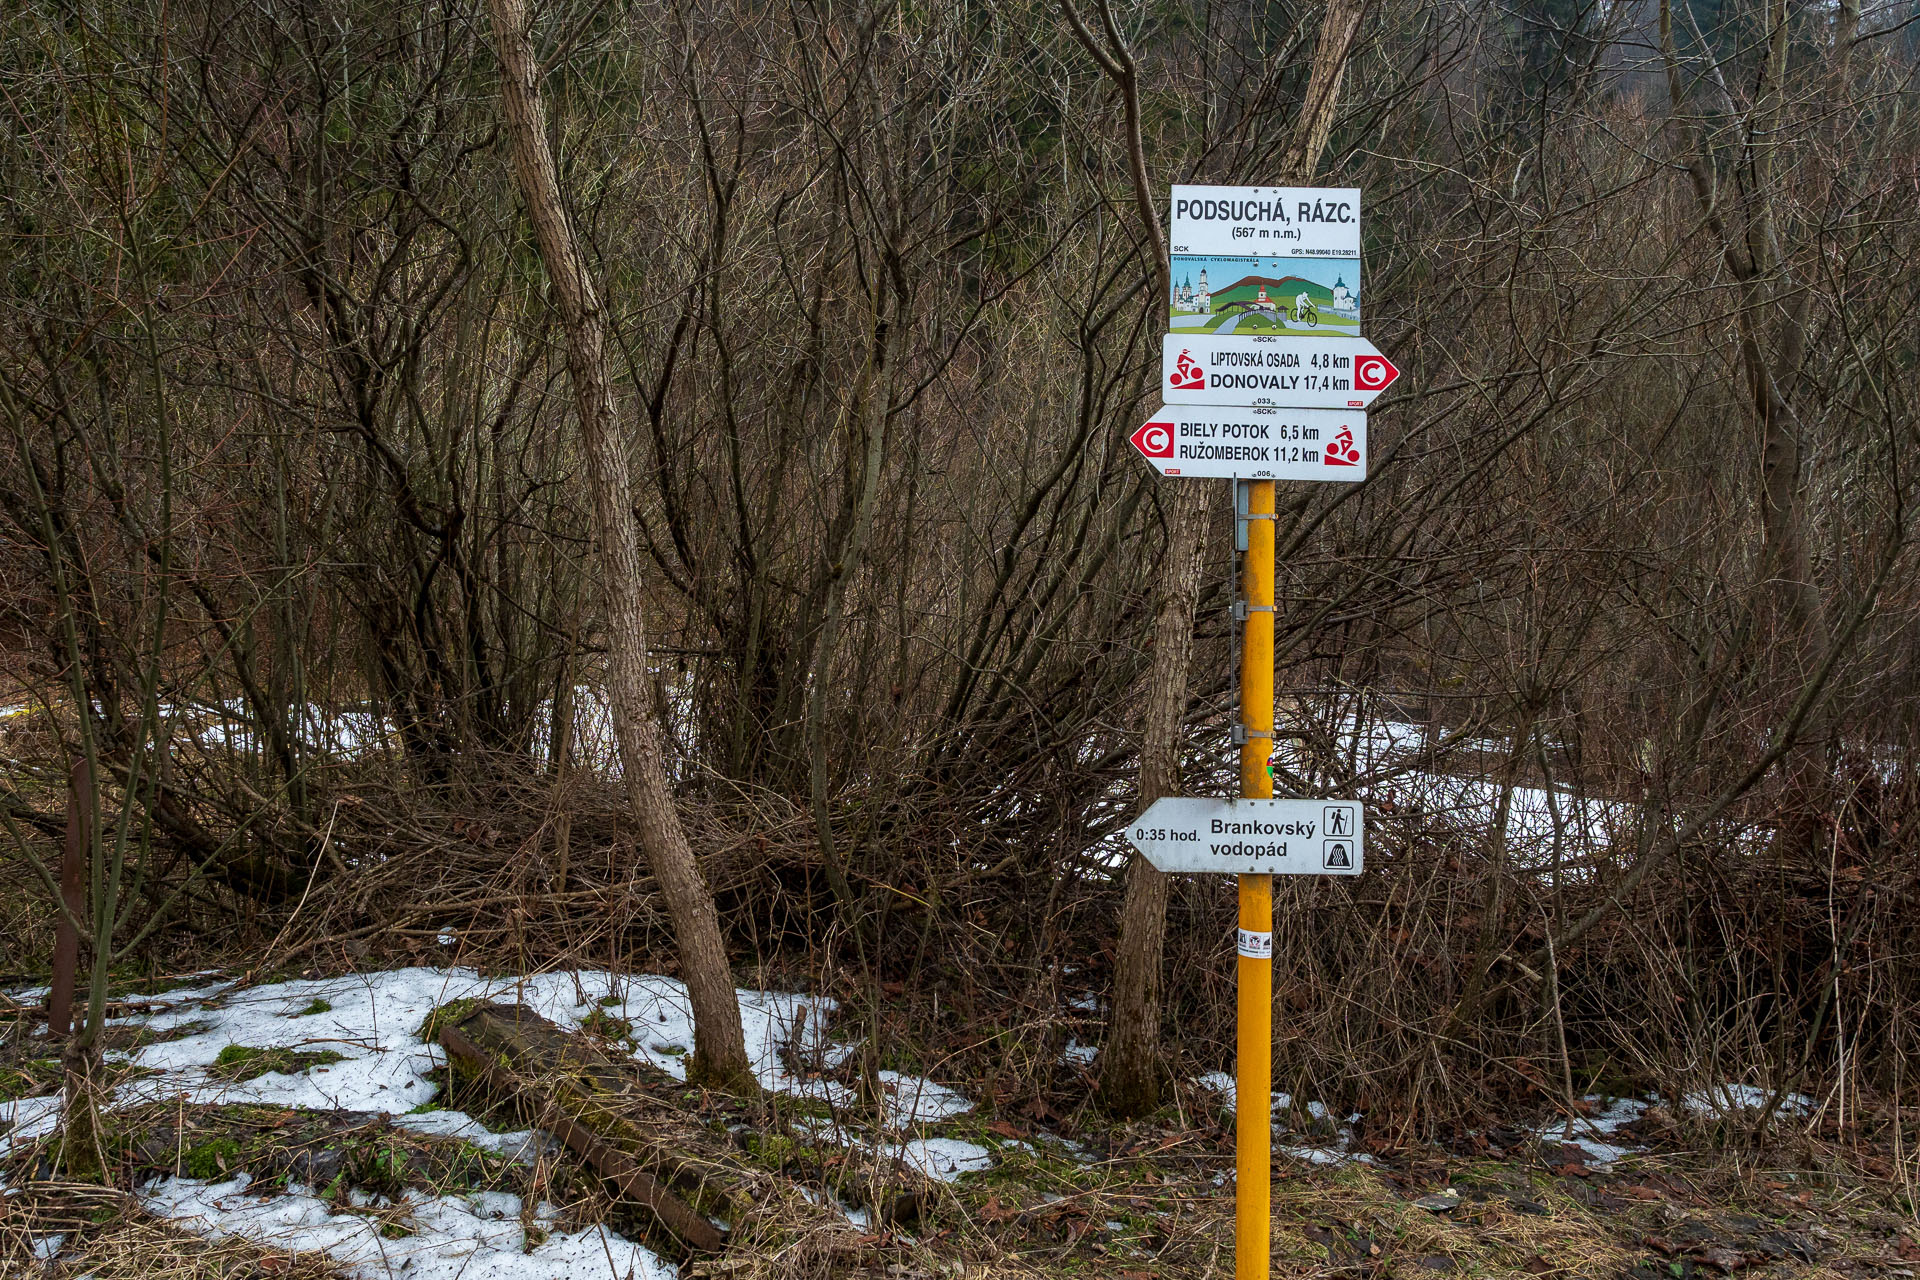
(1723, 1100)
(449, 1237)
(1339, 1153)
(1590, 1132)
(26, 1120)
(375, 1018)
(523, 1145)
(942, 1159)
(1222, 1083)
(372, 1021)
(1327, 1155)
(910, 1100)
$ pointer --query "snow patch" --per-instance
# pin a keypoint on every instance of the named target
(1590, 1133)
(1326, 1155)
(523, 1145)
(1724, 1100)
(372, 1022)
(1222, 1083)
(942, 1159)
(448, 1237)
(27, 1119)
(909, 1100)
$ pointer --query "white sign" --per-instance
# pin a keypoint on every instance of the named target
(1252, 837)
(1211, 442)
(1306, 373)
(1293, 222)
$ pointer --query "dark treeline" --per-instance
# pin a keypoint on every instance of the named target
(299, 566)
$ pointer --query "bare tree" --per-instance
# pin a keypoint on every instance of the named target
(719, 1055)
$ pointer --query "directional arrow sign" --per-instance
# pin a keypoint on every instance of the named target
(1255, 444)
(1307, 373)
(1252, 837)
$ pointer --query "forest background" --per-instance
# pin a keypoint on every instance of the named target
(305, 646)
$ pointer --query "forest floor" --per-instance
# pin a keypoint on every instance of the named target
(299, 1129)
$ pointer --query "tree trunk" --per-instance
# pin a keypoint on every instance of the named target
(719, 1054)
(663, 1160)
(631, 1123)
(1759, 262)
(73, 893)
(1130, 1072)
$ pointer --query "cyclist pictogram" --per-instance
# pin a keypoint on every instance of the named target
(1341, 451)
(1187, 375)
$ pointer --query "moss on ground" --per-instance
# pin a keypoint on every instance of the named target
(212, 1160)
(28, 1078)
(448, 1014)
(238, 1062)
(614, 1030)
(337, 1152)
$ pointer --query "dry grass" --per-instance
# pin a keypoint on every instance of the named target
(1151, 1201)
(1147, 1199)
(107, 1236)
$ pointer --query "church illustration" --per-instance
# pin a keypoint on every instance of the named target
(1187, 298)
(1345, 302)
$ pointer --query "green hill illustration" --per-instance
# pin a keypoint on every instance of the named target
(1245, 292)
(1253, 296)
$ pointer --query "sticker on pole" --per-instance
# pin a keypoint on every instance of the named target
(1256, 946)
(1302, 373)
(1211, 442)
(1252, 837)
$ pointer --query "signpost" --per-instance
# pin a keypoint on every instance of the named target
(1302, 222)
(1255, 444)
(1251, 837)
(1265, 377)
(1308, 373)
(1264, 260)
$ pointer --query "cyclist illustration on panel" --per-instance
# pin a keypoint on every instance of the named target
(1304, 312)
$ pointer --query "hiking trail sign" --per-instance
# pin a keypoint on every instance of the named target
(1255, 443)
(1304, 222)
(1273, 260)
(1304, 373)
(1265, 377)
(1252, 837)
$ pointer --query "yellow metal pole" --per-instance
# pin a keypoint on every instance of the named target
(1253, 1077)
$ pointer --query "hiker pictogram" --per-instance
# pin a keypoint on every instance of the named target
(1342, 452)
(1187, 375)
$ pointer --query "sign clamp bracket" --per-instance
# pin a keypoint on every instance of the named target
(1240, 517)
(1241, 733)
(1241, 609)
